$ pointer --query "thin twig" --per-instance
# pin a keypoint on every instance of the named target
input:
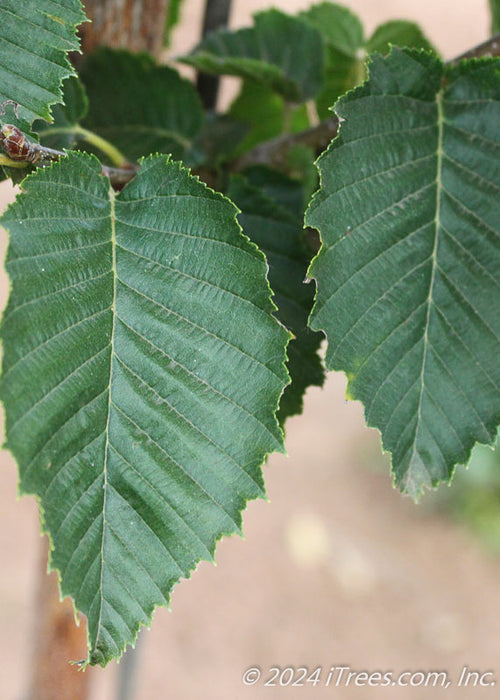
(127, 670)
(491, 47)
(274, 152)
(119, 176)
(55, 640)
(216, 17)
(271, 152)
(21, 152)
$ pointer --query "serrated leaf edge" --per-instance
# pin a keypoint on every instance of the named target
(224, 533)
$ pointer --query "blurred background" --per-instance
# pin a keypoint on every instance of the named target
(338, 568)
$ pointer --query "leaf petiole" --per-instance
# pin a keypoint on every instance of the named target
(115, 156)
(9, 163)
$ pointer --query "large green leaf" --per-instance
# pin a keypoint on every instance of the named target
(35, 38)
(141, 374)
(269, 218)
(408, 275)
(283, 52)
(138, 106)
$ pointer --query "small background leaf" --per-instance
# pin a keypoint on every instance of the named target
(266, 114)
(138, 106)
(218, 141)
(398, 33)
(271, 215)
(342, 33)
(346, 48)
(271, 53)
(495, 16)
(173, 17)
(341, 29)
(60, 134)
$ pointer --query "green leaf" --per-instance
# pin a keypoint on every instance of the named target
(345, 48)
(398, 33)
(262, 110)
(142, 369)
(283, 190)
(342, 33)
(495, 16)
(63, 132)
(272, 53)
(173, 17)
(300, 163)
(278, 231)
(408, 274)
(341, 29)
(343, 73)
(35, 38)
(266, 114)
(217, 142)
(138, 106)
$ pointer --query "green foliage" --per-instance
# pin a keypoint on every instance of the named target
(142, 368)
(474, 496)
(145, 364)
(165, 114)
(173, 17)
(495, 16)
(340, 28)
(270, 219)
(271, 53)
(266, 114)
(217, 142)
(36, 38)
(409, 268)
(346, 48)
(262, 110)
(62, 133)
(397, 33)
(343, 37)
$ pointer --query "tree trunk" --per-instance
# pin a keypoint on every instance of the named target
(136, 25)
(57, 641)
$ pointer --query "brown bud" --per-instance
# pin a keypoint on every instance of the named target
(16, 145)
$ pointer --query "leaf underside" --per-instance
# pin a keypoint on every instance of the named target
(268, 219)
(35, 38)
(408, 274)
(142, 371)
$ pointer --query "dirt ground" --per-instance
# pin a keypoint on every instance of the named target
(337, 569)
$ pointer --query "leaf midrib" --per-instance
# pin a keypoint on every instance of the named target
(430, 301)
(108, 417)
